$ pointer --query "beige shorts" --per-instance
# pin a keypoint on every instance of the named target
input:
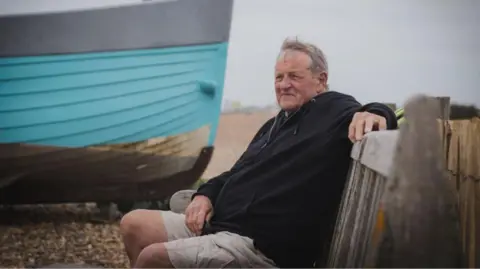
(220, 250)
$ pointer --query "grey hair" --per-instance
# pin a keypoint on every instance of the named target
(319, 61)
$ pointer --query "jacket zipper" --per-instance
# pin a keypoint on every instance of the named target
(262, 147)
(270, 132)
(279, 128)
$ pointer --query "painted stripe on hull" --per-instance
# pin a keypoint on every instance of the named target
(141, 26)
(109, 98)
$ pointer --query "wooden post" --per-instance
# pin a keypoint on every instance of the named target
(444, 103)
(420, 209)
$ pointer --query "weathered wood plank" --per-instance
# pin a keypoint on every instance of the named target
(475, 248)
(463, 165)
(352, 240)
(472, 147)
(378, 151)
(357, 217)
(419, 206)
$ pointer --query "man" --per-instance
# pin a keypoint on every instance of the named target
(275, 207)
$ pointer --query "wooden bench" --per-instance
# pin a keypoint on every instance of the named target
(398, 209)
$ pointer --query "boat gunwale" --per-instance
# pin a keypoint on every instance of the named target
(69, 33)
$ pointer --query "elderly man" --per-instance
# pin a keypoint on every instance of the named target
(275, 207)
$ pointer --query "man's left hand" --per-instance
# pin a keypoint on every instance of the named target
(365, 122)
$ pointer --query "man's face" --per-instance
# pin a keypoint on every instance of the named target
(295, 84)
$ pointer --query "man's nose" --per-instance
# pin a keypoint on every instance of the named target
(284, 84)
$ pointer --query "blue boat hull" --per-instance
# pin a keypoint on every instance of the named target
(100, 126)
(110, 98)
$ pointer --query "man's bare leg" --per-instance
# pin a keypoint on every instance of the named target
(139, 229)
(153, 256)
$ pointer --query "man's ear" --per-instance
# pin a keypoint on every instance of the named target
(322, 79)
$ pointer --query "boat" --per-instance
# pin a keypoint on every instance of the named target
(111, 103)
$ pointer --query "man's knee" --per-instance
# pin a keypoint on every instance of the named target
(154, 256)
(131, 221)
(144, 226)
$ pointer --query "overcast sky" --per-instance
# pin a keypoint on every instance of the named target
(378, 50)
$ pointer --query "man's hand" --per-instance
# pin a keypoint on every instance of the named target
(365, 122)
(197, 212)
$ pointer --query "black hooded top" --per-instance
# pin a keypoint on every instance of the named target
(284, 190)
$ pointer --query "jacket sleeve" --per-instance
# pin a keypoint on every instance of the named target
(348, 106)
(212, 187)
(384, 111)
